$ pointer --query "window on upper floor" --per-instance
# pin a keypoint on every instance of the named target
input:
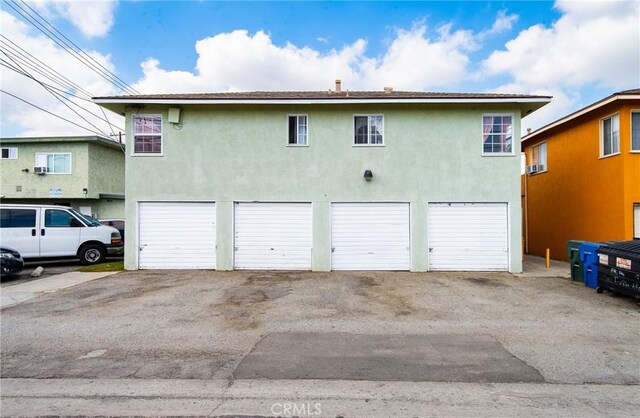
(635, 130)
(538, 157)
(9, 153)
(497, 134)
(368, 130)
(298, 130)
(54, 162)
(610, 136)
(147, 134)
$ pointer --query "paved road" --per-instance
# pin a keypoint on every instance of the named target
(224, 343)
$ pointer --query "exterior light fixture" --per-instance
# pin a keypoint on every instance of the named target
(85, 191)
(25, 170)
(368, 175)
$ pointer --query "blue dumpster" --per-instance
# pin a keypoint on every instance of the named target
(589, 258)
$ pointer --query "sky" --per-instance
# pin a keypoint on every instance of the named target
(576, 51)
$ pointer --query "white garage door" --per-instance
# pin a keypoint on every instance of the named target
(468, 236)
(370, 236)
(273, 236)
(177, 235)
(636, 221)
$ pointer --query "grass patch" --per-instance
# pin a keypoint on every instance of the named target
(113, 266)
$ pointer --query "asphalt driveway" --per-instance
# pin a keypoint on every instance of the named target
(282, 327)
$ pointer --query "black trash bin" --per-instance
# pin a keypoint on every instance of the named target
(619, 268)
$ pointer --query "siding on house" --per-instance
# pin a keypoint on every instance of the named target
(582, 195)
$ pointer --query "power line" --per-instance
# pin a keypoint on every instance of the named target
(60, 93)
(41, 67)
(90, 62)
(58, 97)
(51, 113)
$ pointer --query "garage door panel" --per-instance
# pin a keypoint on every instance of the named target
(273, 236)
(370, 236)
(468, 236)
(177, 235)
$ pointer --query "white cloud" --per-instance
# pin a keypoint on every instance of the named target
(592, 44)
(92, 18)
(241, 61)
(19, 118)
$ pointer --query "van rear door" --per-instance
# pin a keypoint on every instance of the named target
(19, 230)
(59, 233)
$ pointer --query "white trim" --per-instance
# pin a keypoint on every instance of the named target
(55, 153)
(297, 115)
(353, 132)
(497, 154)
(133, 135)
(631, 112)
(601, 134)
(15, 149)
(546, 162)
(318, 101)
(580, 113)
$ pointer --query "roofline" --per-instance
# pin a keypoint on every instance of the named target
(539, 99)
(600, 103)
(60, 139)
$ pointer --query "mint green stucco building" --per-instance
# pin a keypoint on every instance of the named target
(324, 180)
(86, 173)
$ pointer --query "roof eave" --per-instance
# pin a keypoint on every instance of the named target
(526, 104)
(581, 112)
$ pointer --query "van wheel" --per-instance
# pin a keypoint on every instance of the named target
(92, 254)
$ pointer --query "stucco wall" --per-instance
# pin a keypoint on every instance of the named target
(37, 186)
(583, 196)
(106, 169)
(431, 154)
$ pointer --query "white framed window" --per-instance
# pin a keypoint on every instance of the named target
(610, 136)
(54, 162)
(9, 153)
(497, 134)
(538, 156)
(147, 134)
(368, 130)
(635, 131)
(298, 130)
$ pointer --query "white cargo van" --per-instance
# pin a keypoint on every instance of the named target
(41, 231)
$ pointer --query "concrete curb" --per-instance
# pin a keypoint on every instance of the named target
(13, 295)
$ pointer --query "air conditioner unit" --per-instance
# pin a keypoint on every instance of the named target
(40, 170)
(534, 168)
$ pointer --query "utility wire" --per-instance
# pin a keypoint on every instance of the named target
(41, 66)
(57, 96)
(60, 92)
(128, 87)
(60, 42)
(100, 134)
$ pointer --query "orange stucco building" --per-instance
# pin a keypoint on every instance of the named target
(583, 177)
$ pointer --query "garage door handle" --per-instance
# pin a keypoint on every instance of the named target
(430, 249)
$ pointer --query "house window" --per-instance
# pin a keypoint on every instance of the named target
(610, 135)
(497, 134)
(298, 130)
(368, 130)
(538, 156)
(147, 134)
(55, 163)
(9, 154)
(635, 131)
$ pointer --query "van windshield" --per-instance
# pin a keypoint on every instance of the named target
(90, 221)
